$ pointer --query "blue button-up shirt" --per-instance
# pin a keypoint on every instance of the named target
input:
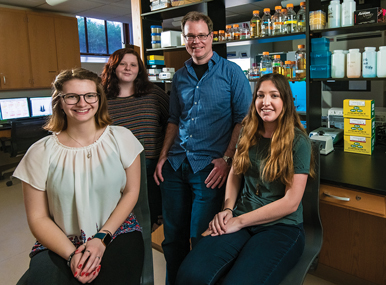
(206, 111)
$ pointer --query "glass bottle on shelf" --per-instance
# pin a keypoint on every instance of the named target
(300, 57)
(277, 22)
(354, 60)
(287, 69)
(284, 12)
(228, 33)
(215, 36)
(266, 23)
(277, 64)
(255, 24)
(291, 22)
(236, 32)
(221, 35)
(245, 32)
(302, 17)
(265, 64)
(254, 72)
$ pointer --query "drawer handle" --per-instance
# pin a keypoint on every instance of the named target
(337, 197)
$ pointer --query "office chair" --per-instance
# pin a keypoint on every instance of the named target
(23, 134)
(142, 212)
(312, 227)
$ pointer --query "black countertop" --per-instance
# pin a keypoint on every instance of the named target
(357, 171)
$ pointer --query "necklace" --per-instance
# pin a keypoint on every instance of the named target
(88, 150)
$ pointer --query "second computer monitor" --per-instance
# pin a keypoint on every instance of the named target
(14, 108)
(40, 106)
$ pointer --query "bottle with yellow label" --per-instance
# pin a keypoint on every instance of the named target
(301, 17)
(255, 24)
(291, 21)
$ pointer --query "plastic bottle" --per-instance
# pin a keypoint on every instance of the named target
(287, 69)
(254, 72)
(334, 14)
(266, 23)
(302, 17)
(236, 32)
(354, 63)
(348, 8)
(300, 57)
(369, 62)
(338, 64)
(255, 24)
(265, 64)
(291, 22)
(381, 59)
(277, 22)
(228, 33)
(277, 64)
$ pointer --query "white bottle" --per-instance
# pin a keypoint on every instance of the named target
(354, 62)
(338, 64)
(334, 14)
(369, 62)
(348, 8)
(381, 60)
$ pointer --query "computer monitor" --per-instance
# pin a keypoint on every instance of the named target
(14, 108)
(40, 106)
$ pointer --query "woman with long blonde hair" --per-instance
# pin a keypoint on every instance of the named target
(259, 236)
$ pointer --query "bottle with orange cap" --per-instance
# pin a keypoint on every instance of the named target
(277, 64)
(291, 22)
(277, 22)
(236, 32)
(300, 56)
(265, 64)
(266, 23)
(302, 17)
(255, 24)
(228, 33)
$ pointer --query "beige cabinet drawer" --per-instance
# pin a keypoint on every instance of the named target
(354, 200)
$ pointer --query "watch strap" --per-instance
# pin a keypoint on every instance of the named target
(104, 237)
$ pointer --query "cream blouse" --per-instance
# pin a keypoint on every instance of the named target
(82, 192)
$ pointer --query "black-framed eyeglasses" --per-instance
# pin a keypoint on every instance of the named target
(73, 98)
(191, 38)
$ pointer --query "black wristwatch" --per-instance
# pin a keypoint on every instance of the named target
(227, 159)
(104, 237)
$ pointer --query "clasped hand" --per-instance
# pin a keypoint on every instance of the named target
(223, 223)
(85, 264)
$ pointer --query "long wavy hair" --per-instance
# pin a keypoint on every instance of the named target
(58, 120)
(279, 162)
(110, 81)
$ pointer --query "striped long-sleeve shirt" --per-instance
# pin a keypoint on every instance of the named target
(146, 117)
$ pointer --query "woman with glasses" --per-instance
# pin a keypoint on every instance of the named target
(258, 236)
(142, 107)
(80, 186)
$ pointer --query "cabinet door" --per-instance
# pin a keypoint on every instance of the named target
(15, 65)
(41, 32)
(67, 42)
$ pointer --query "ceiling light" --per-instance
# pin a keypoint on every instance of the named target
(55, 2)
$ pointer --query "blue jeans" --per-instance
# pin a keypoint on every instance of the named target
(187, 208)
(254, 255)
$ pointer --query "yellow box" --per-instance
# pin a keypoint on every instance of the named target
(362, 145)
(359, 127)
(155, 57)
(361, 109)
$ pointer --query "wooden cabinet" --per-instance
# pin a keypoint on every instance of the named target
(15, 64)
(34, 47)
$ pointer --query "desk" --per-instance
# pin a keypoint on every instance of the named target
(5, 131)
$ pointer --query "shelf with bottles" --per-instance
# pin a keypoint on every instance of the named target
(346, 79)
(172, 12)
(365, 28)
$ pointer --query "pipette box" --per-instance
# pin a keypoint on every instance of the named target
(359, 127)
(359, 109)
(361, 145)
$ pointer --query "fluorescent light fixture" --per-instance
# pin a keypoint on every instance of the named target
(295, 2)
(55, 2)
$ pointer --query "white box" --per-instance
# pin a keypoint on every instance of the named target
(170, 39)
(335, 118)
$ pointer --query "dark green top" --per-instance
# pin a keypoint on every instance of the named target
(271, 191)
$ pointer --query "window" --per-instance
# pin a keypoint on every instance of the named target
(100, 37)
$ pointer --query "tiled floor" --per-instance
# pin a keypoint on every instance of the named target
(17, 240)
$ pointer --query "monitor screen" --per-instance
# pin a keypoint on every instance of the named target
(14, 108)
(40, 106)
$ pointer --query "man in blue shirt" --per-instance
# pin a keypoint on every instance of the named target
(210, 97)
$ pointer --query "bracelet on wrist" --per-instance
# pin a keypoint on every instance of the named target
(70, 258)
(228, 209)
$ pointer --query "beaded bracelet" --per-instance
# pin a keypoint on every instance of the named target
(69, 258)
(228, 209)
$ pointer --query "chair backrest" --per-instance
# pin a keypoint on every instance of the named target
(24, 133)
(312, 227)
(142, 212)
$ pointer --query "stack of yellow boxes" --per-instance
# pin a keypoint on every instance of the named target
(359, 126)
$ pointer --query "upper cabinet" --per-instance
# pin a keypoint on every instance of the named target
(35, 47)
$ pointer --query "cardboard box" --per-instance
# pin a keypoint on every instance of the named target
(359, 127)
(183, 2)
(155, 62)
(360, 109)
(155, 57)
(170, 39)
(369, 16)
(361, 145)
